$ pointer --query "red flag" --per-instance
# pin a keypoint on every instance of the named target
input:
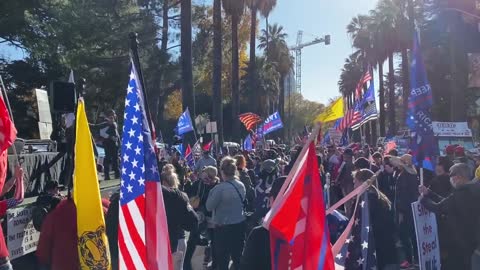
(207, 146)
(297, 215)
(8, 134)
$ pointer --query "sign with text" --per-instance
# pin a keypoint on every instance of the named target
(22, 238)
(272, 123)
(335, 135)
(451, 129)
(427, 237)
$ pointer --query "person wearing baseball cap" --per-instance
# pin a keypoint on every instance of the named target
(463, 213)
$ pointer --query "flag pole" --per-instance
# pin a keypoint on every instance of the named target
(10, 112)
(138, 68)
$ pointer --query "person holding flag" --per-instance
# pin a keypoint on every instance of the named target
(299, 236)
(8, 134)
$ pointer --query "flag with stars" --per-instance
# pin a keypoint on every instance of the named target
(359, 252)
(419, 117)
(299, 235)
(143, 232)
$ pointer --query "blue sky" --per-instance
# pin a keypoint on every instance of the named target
(321, 64)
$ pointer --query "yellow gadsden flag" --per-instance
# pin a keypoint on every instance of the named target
(92, 239)
(332, 112)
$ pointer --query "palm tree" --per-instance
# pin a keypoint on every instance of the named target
(386, 17)
(268, 84)
(235, 9)
(351, 71)
(265, 7)
(274, 39)
(217, 68)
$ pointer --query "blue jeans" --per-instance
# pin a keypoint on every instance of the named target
(476, 260)
(6, 266)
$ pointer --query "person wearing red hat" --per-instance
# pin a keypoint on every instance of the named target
(450, 151)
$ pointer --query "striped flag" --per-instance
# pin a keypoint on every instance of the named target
(368, 107)
(249, 120)
(365, 78)
(351, 118)
(143, 233)
(359, 251)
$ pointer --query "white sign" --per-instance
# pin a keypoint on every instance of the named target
(335, 135)
(451, 129)
(427, 237)
(22, 238)
(211, 127)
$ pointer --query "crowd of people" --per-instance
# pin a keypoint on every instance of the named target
(215, 208)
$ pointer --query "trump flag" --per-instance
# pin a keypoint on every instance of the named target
(272, 123)
(299, 237)
(419, 117)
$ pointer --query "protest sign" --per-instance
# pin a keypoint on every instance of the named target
(427, 237)
(22, 237)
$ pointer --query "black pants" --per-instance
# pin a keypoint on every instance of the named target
(111, 159)
(408, 238)
(229, 241)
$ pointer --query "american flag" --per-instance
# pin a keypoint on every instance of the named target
(352, 117)
(359, 251)
(249, 120)
(365, 78)
(143, 232)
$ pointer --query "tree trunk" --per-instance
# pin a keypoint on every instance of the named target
(252, 65)
(235, 78)
(381, 93)
(391, 96)
(281, 101)
(157, 107)
(217, 68)
(405, 84)
(268, 36)
(186, 56)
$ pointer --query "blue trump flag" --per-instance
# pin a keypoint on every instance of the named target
(248, 144)
(184, 124)
(272, 123)
(419, 117)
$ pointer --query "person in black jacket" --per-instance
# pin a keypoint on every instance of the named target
(198, 195)
(463, 214)
(382, 222)
(109, 132)
(180, 215)
(440, 186)
(247, 182)
(256, 254)
(406, 192)
(111, 222)
(385, 179)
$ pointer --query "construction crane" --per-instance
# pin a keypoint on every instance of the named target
(298, 55)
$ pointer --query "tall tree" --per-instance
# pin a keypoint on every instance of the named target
(217, 67)
(386, 16)
(275, 39)
(186, 55)
(235, 9)
(265, 7)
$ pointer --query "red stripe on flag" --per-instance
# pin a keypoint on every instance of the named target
(134, 235)
(150, 224)
(125, 255)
